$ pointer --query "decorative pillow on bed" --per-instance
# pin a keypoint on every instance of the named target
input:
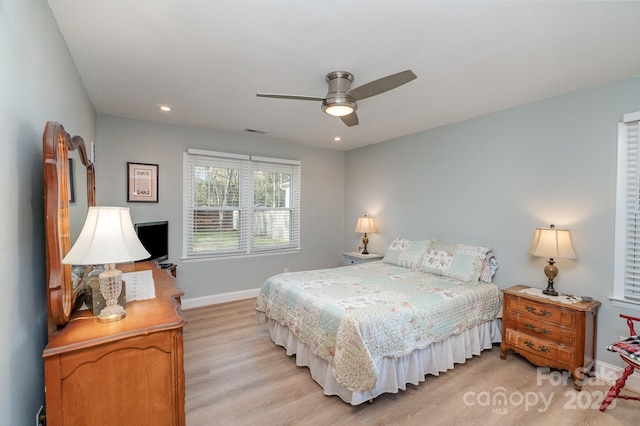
(489, 267)
(460, 261)
(405, 253)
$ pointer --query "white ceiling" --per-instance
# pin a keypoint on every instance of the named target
(208, 58)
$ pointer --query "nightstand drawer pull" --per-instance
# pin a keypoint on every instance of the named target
(540, 348)
(532, 327)
(543, 312)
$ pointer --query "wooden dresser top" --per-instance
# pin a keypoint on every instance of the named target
(579, 306)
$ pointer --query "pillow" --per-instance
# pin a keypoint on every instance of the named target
(460, 261)
(489, 267)
(405, 253)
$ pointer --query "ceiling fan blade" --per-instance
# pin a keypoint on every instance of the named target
(350, 119)
(382, 85)
(295, 97)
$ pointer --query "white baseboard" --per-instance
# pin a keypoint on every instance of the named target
(214, 299)
(609, 373)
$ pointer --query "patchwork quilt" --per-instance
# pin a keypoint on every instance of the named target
(353, 316)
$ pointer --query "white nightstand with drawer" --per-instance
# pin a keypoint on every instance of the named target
(355, 257)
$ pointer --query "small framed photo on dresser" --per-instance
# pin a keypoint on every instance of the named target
(142, 183)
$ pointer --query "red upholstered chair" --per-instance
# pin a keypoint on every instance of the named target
(629, 350)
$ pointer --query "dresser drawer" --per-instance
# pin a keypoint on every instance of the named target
(526, 324)
(543, 311)
(540, 348)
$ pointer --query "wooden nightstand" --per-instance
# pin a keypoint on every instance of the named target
(354, 257)
(549, 332)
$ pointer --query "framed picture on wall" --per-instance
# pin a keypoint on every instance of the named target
(142, 183)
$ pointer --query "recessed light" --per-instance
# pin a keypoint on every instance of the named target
(337, 139)
(165, 108)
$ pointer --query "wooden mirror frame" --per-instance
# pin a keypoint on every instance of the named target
(61, 296)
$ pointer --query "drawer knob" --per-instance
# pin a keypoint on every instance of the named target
(543, 312)
(542, 330)
(540, 348)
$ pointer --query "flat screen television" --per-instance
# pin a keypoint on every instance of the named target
(154, 236)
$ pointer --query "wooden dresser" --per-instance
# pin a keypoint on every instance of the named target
(550, 333)
(129, 372)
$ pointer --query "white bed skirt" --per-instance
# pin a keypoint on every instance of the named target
(395, 373)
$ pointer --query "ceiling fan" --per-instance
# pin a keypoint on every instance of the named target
(341, 99)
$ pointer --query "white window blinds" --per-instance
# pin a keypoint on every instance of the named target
(276, 204)
(627, 254)
(238, 205)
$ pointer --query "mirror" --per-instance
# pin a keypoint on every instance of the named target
(78, 203)
(58, 184)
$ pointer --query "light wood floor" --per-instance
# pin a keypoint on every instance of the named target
(235, 375)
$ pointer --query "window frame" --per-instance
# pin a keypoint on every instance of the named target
(247, 166)
(626, 197)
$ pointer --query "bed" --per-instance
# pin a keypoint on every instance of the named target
(371, 328)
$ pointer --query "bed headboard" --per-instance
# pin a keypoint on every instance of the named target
(57, 143)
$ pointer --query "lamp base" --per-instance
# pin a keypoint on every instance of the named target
(551, 271)
(112, 317)
(365, 241)
(110, 287)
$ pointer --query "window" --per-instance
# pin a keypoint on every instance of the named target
(627, 234)
(239, 205)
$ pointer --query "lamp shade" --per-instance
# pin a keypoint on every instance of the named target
(552, 243)
(365, 225)
(106, 237)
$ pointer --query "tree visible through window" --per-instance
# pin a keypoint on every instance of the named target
(272, 208)
(216, 209)
(239, 205)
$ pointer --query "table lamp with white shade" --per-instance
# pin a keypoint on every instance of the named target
(553, 244)
(365, 225)
(107, 237)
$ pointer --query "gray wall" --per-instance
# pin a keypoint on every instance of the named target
(494, 179)
(322, 205)
(491, 180)
(39, 83)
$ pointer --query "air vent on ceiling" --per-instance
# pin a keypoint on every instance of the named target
(260, 132)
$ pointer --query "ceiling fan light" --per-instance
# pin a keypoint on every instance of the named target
(339, 110)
